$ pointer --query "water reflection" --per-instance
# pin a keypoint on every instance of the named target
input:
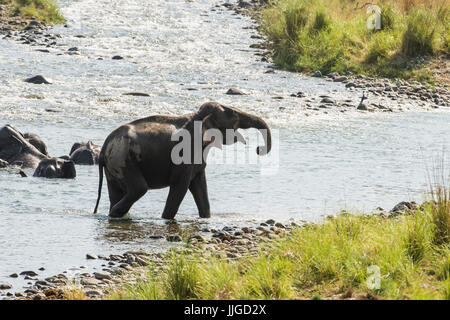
(138, 231)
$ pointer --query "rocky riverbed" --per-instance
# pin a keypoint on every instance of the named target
(118, 270)
(395, 92)
(127, 268)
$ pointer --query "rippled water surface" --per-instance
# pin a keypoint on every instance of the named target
(183, 54)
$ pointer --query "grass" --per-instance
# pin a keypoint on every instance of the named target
(333, 36)
(363, 256)
(44, 10)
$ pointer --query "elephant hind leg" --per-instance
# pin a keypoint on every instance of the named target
(136, 187)
(115, 193)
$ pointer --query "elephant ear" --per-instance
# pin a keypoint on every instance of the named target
(11, 142)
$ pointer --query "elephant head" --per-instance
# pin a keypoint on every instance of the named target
(55, 168)
(217, 116)
(85, 153)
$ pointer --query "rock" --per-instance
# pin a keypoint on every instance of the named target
(279, 225)
(28, 273)
(141, 262)
(93, 293)
(136, 94)
(317, 74)
(299, 94)
(31, 291)
(270, 222)
(91, 256)
(328, 101)
(243, 4)
(235, 91)
(14, 275)
(404, 206)
(38, 80)
(102, 276)
(173, 238)
(90, 282)
(51, 292)
(5, 286)
(340, 79)
(72, 49)
(117, 58)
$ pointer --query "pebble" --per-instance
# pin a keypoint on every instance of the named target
(5, 286)
(102, 276)
(38, 80)
(91, 256)
(234, 91)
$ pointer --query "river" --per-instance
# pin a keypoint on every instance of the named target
(183, 54)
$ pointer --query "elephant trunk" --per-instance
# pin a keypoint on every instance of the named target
(247, 121)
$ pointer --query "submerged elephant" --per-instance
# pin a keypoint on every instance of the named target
(36, 142)
(85, 153)
(137, 157)
(18, 151)
(55, 168)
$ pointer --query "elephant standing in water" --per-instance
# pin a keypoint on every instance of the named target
(29, 151)
(138, 156)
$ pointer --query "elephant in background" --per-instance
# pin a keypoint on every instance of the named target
(18, 151)
(85, 153)
(137, 157)
(37, 143)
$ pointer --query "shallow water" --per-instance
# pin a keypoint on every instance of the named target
(183, 54)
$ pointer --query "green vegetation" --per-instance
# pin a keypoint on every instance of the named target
(44, 10)
(333, 36)
(364, 256)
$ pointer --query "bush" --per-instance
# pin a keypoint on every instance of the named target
(420, 34)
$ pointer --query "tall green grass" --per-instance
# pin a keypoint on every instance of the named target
(44, 10)
(333, 35)
(337, 257)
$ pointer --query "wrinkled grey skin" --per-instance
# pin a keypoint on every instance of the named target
(85, 153)
(17, 151)
(137, 157)
(36, 142)
(55, 168)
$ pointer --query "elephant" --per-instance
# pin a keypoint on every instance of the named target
(36, 142)
(138, 156)
(18, 151)
(56, 168)
(85, 153)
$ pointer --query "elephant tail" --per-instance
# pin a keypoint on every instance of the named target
(100, 183)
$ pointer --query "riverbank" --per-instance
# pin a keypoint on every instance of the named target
(410, 42)
(400, 254)
(15, 14)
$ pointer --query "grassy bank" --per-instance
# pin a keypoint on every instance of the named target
(44, 10)
(333, 36)
(365, 257)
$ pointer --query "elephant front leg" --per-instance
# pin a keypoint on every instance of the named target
(176, 195)
(199, 190)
